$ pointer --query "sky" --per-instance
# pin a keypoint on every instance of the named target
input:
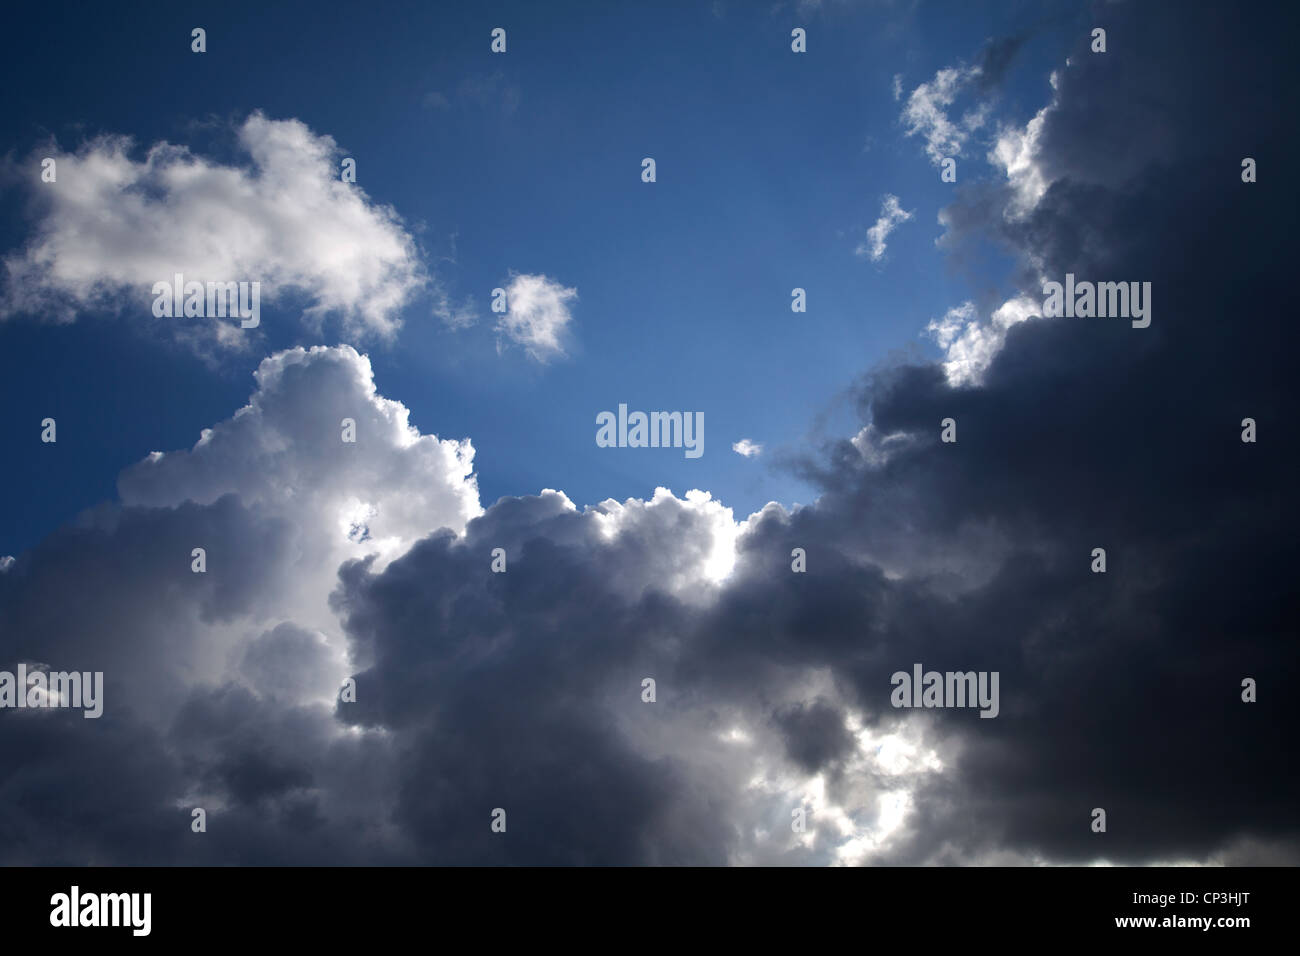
(451, 606)
(529, 162)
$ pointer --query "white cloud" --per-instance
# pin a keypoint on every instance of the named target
(891, 214)
(697, 532)
(969, 346)
(747, 448)
(538, 315)
(111, 226)
(283, 455)
(925, 113)
(284, 450)
(1016, 151)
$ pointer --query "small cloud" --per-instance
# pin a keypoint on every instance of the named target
(750, 449)
(891, 214)
(538, 315)
(925, 114)
(898, 87)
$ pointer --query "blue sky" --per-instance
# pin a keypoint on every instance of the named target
(771, 168)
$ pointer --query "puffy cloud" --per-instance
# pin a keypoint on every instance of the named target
(286, 450)
(891, 214)
(750, 449)
(228, 678)
(277, 500)
(537, 315)
(113, 225)
(284, 454)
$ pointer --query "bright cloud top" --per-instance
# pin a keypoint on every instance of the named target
(284, 451)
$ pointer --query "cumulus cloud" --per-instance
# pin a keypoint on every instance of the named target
(749, 449)
(891, 214)
(112, 225)
(537, 316)
(223, 683)
(283, 454)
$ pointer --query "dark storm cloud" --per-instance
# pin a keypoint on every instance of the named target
(1122, 691)
(500, 686)
(815, 734)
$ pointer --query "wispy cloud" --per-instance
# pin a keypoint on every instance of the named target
(925, 112)
(891, 214)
